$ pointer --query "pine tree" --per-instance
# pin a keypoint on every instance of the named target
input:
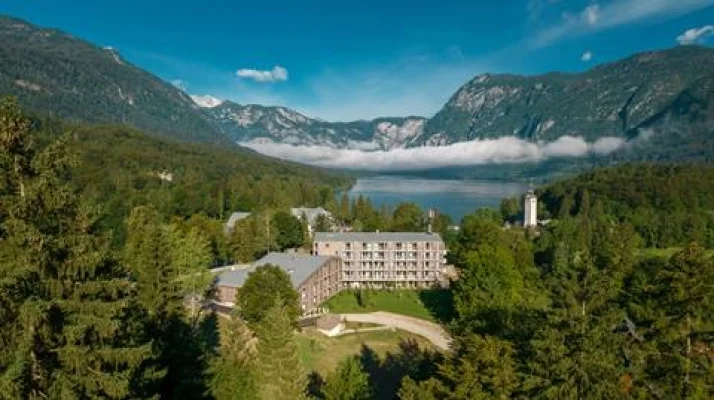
(233, 372)
(148, 253)
(675, 317)
(281, 375)
(64, 302)
(576, 351)
(190, 256)
(163, 268)
(345, 208)
(348, 382)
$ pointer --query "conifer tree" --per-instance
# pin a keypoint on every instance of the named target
(191, 257)
(233, 372)
(281, 375)
(157, 262)
(676, 321)
(64, 301)
(348, 382)
(576, 351)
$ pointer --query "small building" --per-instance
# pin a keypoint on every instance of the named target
(311, 214)
(330, 324)
(381, 260)
(230, 225)
(315, 278)
(530, 210)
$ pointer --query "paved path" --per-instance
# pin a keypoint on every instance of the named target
(429, 330)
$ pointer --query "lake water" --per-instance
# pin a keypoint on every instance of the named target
(454, 197)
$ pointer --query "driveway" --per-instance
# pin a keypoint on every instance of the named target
(428, 330)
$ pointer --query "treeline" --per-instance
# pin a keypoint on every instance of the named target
(83, 320)
(572, 312)
(669, 205)
(121, 168)
(271, 230)
(362, 216)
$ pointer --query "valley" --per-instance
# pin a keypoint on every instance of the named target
(171, 229)
(626, 109)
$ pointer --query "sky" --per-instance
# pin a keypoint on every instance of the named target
(348, 60)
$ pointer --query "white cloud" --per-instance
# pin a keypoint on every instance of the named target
(696, 35)
(591, 14)
(206, 101)
(502, 150)
(277, 74)
(536, 8)
(606, 15)
(587, 56)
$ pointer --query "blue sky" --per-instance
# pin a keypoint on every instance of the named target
(346, 60)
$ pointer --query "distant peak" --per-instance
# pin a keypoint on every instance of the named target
(206, 101)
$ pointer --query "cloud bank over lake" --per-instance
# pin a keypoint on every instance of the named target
(477, 152)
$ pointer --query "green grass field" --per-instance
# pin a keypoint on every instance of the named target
(431, 305)
(321, 354)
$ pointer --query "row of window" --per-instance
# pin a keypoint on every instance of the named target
(380, 255)
(385, 246)
(380, 275)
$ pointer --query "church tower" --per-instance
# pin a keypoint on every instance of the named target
(530, 210)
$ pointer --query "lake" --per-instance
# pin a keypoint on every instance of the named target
(454, 197)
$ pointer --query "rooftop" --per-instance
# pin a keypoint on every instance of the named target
(237, 216)
(298, 267)
(310, 213)
(377, 237)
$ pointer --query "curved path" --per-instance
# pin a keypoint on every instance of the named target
(428, 330)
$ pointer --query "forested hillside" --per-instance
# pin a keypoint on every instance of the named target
(667, 204)
(57, 75)
(668, 91)
(567, 311)
(120, 168)
(573, 313)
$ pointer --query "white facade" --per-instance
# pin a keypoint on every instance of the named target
(385, 259)
(530, 210)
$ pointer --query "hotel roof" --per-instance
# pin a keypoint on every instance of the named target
(298, 266)
(377, 237)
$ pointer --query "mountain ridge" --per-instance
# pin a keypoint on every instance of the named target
(665, 91)
(56, 73)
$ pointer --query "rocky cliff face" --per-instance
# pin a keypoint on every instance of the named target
(246, 123)
(616, 99)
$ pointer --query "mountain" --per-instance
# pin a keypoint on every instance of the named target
(667, 90)
(55, 74)
(245, 123)
(664, 96)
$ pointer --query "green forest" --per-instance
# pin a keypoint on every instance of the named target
(103, 272)
(667, 204)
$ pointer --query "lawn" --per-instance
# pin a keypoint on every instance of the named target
(431, 305)
(321, 354)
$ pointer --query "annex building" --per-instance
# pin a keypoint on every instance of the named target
(315, 278)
